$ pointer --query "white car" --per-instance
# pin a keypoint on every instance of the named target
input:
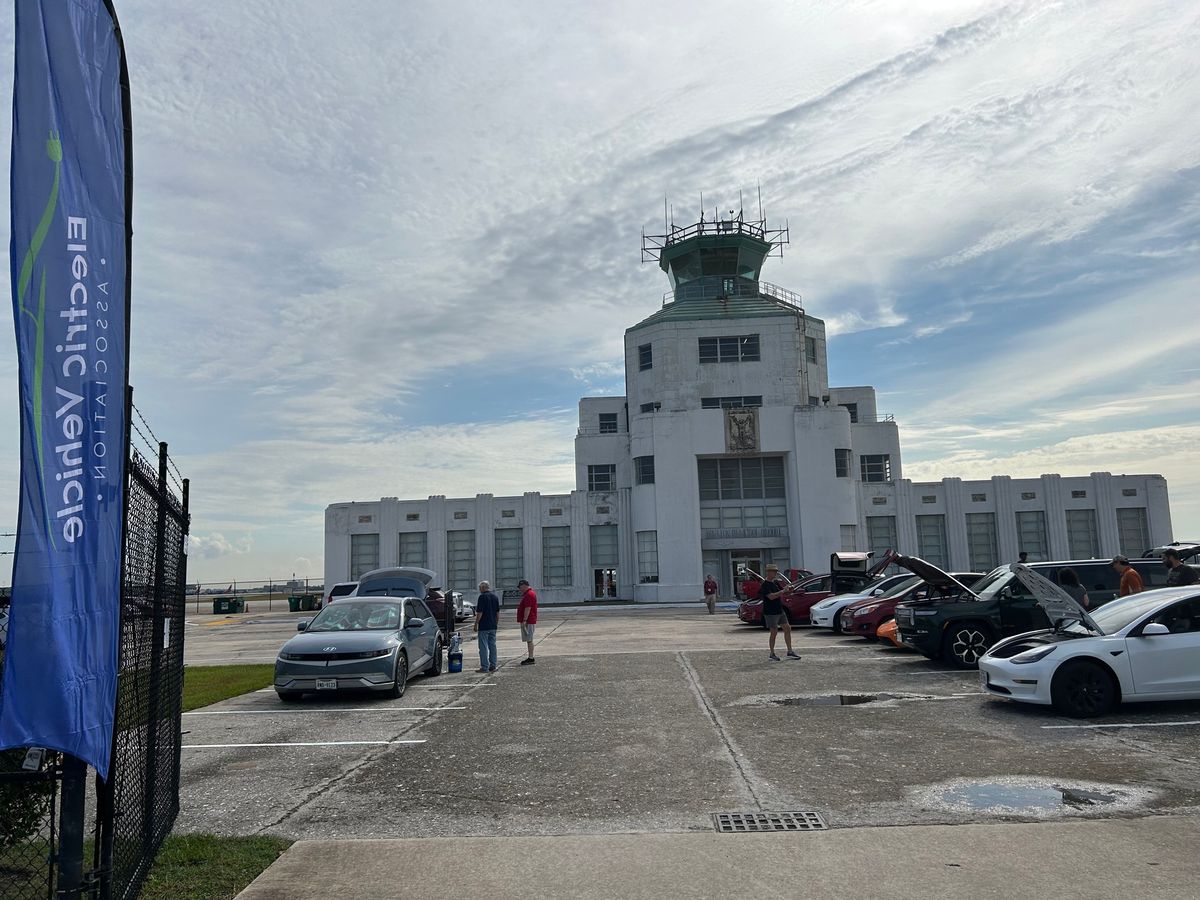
(1138, 648)
(827, 612)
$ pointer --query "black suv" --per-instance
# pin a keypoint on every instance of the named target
(961, 629)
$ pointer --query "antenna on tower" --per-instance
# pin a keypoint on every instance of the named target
(741, 204)
(666, 228)
(702, 206)
(761, 217)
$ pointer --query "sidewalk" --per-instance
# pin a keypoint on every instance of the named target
(1151, 857)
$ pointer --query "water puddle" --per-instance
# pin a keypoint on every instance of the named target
(1030, 797)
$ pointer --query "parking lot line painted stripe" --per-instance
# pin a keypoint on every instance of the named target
(459, 687)
(288, 712)
(292, 744)
(1131, 725)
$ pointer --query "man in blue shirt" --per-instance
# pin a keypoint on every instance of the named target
(487, 620)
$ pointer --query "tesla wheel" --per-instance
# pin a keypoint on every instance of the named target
(400, 681)
(288, 696)
(965, 643)
(837, 623)
(1083, 690)
(435, 667)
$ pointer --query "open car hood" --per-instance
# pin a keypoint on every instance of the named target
(930, 573)
(1058, 605)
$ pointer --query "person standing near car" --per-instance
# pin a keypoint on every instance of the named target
(487, 620)
(771, 591)
(1180, 574)
(527, 618)
(1069, 582)
(1131, 581)
(710, 594)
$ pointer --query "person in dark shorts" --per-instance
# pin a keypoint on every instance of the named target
(1180, 574)
(771, 591)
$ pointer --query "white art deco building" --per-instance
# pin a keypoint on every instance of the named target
(731, 449)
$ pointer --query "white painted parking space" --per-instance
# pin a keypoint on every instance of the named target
(311, 712)
(1125, 725)
(296, 744)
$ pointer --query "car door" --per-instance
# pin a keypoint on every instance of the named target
(432, 627)
(1019, 610)
(1168, 664)
(416, 638)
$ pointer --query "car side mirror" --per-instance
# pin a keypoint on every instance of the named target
(414, 622)
(302, 625)
(1155, 628)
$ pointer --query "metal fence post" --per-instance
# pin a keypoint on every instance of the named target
(159, 614)
(70, 837)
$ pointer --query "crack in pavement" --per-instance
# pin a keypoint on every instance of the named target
(744, 772)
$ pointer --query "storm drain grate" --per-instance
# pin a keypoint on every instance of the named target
(745, 822)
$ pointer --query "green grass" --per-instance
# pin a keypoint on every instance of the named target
(203, 685)
(208, 867)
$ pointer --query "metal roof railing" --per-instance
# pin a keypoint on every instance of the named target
(704, 290)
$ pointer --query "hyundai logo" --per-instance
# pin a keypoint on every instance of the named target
(328, 649)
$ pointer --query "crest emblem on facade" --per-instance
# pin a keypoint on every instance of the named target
(741, 431)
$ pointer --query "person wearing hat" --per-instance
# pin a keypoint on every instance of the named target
(527, 618)
(1131, 581)
(771, 591)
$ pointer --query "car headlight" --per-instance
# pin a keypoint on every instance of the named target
(289, 656)
(924, 612)
(1034, 655)
(866, 610)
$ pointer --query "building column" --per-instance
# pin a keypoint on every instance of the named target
(956, 524)
(531, 537)
(1158, 511)
(906, 521)
(581, 547)
(485, 539)
(1056, 517)
(435, 535)
(627, 569)
(1006, 518)
(1105, 504)
(389, 531)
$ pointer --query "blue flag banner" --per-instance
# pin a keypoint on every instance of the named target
(69, 256)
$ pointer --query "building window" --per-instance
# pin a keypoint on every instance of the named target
(979, 498)
(555, 510)
(814, 401)
(556, 557)
(1031, 535)
(931, 540)
(643, 470)
(510, 557)
(875, 466)
(1133, 531)
(851, 408)
(608, 423)
(1078, 495)
(412, 517)
(881, 534)
(743, 348)
(849, 535)
(842, 461)
(1128, 492)
(604, 546)
(460, 514)
(414, 549)
(602, 478)
(365, 520)
(1082, 539)
(1029, 495)
(741, 478)
(982, 552)
(810, 349)
(460, 560)
(746, 402)
(508, 513)
(929, 498)
(649, 407)
(647, 544)
(364, 554)
(645, 358)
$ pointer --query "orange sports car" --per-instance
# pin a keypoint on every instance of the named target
(887, 632)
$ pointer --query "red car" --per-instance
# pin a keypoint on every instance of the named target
(749, 587)
(864, 617)
(849, 573)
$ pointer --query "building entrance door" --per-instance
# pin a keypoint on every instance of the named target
(605, 583)
(742, 563)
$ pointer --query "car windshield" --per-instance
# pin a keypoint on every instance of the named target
(352, 615)
(341, 590)
(990, 584)
(899, 588)
(391, 586)
(1116, 614)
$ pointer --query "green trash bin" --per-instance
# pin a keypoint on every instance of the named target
(308, 604)
(237, 605)
(293, 604)
(220, 606)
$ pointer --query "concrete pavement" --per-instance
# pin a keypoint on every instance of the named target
(1090, 860)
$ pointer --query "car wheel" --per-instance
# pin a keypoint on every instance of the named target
(435, 667)
(965, 643)
(400, 681)
(289, 696)
(1083, 690)
(837, 622)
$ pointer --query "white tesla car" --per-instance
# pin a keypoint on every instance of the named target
(1137, 648)
(827, 612)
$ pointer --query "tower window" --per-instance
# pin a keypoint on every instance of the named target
(810, 349)
(876, 466)
(841, 462)
(602, 478)
(645, 357)
(745, 402)
(643, 469)
(608, 423)
(743, 348)
(851, 408)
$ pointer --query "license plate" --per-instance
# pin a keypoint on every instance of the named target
(326, 684)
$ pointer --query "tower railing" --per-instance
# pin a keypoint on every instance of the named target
(711, 289)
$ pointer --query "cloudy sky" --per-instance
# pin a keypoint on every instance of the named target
(382, 248)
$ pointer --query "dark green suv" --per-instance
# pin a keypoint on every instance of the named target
(960, 629)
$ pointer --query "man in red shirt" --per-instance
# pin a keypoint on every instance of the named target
(1131, 581)
(527, 618)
